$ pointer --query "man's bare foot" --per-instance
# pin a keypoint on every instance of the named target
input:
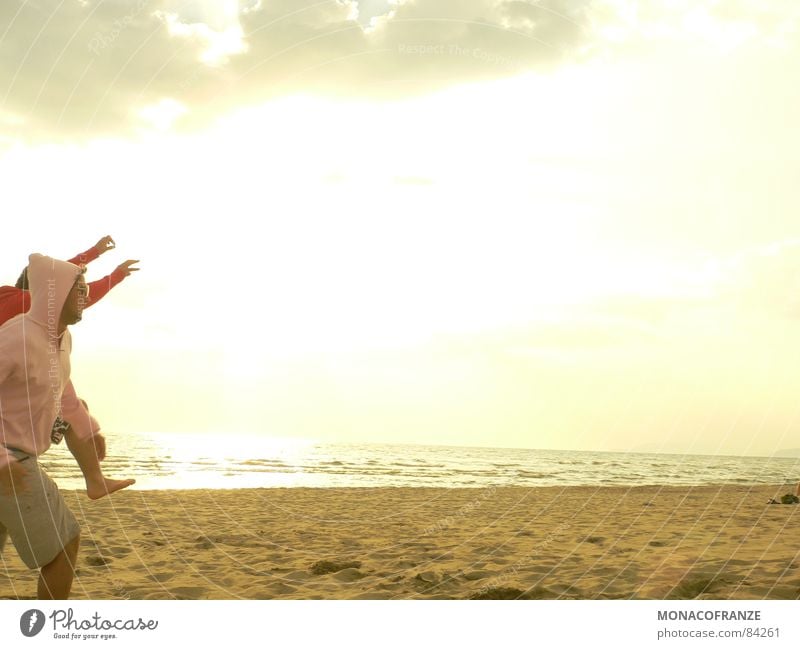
(105, 487)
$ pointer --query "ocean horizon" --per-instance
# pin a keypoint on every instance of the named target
(233, 461)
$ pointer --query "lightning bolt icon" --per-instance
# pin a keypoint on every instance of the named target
(32, 621)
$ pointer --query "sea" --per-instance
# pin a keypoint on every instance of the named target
(233, 461)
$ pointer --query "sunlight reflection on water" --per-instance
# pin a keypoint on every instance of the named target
(231, 461)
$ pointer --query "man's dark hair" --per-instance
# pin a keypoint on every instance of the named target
(22, 281)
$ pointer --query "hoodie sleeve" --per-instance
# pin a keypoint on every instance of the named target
(74, 412)
(13, 301)
(99, 288)
(85, 257)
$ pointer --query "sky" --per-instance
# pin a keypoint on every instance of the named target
(555, 224)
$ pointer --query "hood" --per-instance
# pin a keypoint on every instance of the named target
(50, 281)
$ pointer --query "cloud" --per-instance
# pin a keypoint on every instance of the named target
(163, 114)
(88, 68)
(80, 69)
(723, 25)
(223, 39)
(371, 11)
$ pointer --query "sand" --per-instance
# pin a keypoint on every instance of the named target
(421, 543)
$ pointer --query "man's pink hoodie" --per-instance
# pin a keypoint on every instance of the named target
(34, 365)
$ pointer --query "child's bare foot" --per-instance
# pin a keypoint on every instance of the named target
(105, 487)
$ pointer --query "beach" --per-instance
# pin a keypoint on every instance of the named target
(643, 542)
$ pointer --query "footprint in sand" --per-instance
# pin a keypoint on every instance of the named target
(620, 550)
(205, 542)
(281, 589)
(405, 565)
(161, 577)
(348, 575)
(475, 575)
(326, 567)
(187, 592)
(499, 592)
(154, 542)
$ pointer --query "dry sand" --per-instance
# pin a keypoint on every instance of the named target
(420, 543)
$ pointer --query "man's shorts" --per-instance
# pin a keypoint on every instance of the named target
(38, 520)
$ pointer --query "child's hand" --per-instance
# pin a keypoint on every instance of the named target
(104, 245)
(125, 266)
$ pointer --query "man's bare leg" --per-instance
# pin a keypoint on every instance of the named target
(55, 579)
(97, 485)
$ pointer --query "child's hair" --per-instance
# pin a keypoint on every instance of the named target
(22, 280)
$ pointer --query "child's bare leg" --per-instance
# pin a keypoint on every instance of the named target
(97, 485)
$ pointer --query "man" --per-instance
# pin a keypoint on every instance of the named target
(34, 371)
(87, 450)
